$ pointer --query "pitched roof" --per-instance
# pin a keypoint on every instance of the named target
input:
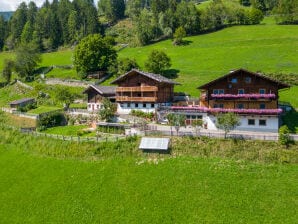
(156, 77)
(280, 84)
(103, 90)
(24, 100)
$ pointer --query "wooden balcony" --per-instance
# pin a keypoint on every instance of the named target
(135, 99)
(137, 89)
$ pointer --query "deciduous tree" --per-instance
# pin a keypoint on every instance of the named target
(227, 122)
(27, 59)
(94, 53)
(158, 62)
(7, 70)
(107, 111)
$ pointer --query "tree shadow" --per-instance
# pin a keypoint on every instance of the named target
(291, 120)
(171, 73)
(186, 42)
(183, 43)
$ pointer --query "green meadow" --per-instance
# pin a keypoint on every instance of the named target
(201, 181)
(267, 48)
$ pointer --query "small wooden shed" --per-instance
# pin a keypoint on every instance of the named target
(21, 103)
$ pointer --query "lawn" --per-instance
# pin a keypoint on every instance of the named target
(43, 109)
(64, 182)
(71, 130)
(63, 73)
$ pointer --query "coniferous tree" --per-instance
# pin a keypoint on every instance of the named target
(18, 22)
(3, 31)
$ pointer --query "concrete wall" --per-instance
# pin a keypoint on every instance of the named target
(272, 123)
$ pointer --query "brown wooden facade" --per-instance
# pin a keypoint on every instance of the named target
(138, 86)
(241, 89)
(96, 94)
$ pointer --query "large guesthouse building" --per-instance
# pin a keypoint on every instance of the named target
(252, 96)
(138, 90)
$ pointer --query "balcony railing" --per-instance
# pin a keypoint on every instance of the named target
(244, 96)
(137, 89)
(223, 110)
(135, 99)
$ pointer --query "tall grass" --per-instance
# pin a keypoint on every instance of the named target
(254, 151)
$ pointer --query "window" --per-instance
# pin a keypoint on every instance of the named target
(89, 105)
(262, 122)
(234, 80)
(221, 105)
(136, 105)
(251, 121)
(240, 106)
(262, 91)
(97, 106)
(247, 79)
(152, 105)
(193, 117)
(144, 105)
(188, 116)
(128, 105)
(215, 106)
(218, 91)
(240, 91)
(262, 106)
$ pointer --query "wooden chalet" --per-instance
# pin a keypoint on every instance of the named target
(142, 90)
(242, 90)
(97, 93)
(251, 95)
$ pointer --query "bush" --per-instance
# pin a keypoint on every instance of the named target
(27, 107)
(138, 113)
(284, 136)
(51, 120)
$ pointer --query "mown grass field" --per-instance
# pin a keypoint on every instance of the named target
(43, 109)
(70, 130)
(202, 181)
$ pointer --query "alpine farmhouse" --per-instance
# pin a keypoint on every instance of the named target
(251, 95)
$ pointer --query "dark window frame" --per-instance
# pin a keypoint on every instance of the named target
(262, 122)
(251, 122)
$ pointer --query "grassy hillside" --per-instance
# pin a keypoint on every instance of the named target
(114, 183)
(267, 48)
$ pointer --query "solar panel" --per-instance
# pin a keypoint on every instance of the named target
(161, 144)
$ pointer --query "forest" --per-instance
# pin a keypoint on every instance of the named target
(63, 23)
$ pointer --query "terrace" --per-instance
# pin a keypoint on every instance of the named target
(243, 96)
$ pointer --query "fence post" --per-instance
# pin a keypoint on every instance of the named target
(96, 138)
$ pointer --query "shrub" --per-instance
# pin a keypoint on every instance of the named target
(138, 113)
(51, 120)
(27, 107)
(284, 136)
